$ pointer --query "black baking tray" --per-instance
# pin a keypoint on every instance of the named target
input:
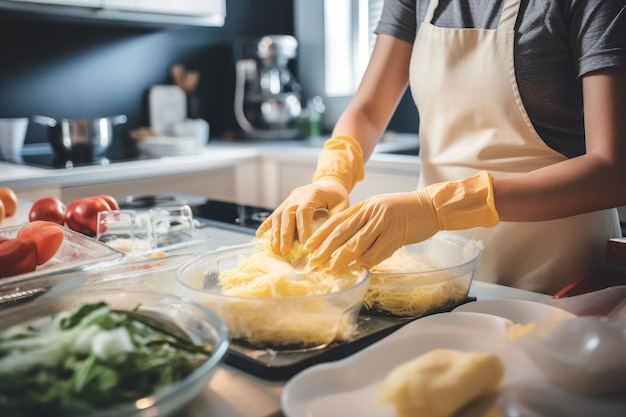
(277, 365)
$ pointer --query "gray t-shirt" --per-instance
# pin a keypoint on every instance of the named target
(556, 42)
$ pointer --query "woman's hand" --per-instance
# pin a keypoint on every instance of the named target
(374, 229)
(294, 217)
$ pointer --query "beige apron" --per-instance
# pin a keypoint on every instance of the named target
(471, 119)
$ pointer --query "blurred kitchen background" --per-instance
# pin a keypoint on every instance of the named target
(62, 64)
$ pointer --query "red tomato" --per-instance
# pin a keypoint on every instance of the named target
(49, 209)
(17, 256)
(111, 201)
(48, 236)
(82, 214)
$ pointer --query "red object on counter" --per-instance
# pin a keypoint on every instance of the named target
(110, 200)
(82, 214)
(611, 275)
(17, 256)
(616, 251)
(49, 209)
(48, 237)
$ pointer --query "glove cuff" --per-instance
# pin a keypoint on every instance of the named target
(342, 159)
(464, 204)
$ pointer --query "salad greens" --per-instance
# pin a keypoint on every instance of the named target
(89, 359)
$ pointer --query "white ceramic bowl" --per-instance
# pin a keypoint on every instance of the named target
(162, 146)
(585, 355)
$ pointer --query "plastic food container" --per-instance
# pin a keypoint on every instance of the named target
(424, 277)
(196, 322)
(285, 322)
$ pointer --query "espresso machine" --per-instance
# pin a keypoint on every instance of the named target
(267, 95)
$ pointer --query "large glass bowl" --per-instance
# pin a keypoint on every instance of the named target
(433, 275)
(284, 322)
(199, 324)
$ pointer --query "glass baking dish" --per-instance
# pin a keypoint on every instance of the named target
(77, 253)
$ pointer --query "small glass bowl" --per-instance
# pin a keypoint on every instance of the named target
(198, 323)
(433, 275)
(286, 323)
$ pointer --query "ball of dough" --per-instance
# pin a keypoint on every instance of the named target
(440, 382)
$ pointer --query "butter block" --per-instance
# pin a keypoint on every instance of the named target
(440, 382)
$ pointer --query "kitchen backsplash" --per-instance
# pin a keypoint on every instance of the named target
(72, 69)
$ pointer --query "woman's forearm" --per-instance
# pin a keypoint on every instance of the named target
(575, 186)
(383, 85)
(594, 181)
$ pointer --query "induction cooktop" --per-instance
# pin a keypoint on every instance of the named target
(42, 156)
(223, 214)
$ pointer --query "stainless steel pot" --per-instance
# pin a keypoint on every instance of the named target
(80, 137)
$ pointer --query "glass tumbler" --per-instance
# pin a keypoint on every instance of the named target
(172, 226)
(126, 231)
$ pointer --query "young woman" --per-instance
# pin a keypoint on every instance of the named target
(522, 107)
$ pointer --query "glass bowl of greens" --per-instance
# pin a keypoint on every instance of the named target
(107, 353)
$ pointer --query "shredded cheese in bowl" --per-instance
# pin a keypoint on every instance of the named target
(424, 277)
(267, 302)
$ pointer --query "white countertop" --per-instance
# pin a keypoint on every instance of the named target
(216, 154)
(22, 176)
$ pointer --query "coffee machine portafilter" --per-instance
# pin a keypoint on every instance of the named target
(267, 95)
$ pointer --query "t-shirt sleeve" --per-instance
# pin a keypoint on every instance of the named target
(398, 19)
(598, 34)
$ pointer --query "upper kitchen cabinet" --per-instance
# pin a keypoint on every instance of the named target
(85, 3)
(178, 7)
(154, 12)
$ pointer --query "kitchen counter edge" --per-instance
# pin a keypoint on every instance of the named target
(216, 155)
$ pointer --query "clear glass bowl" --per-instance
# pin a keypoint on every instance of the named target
(201, 325)
(421, 278)
(293, 322)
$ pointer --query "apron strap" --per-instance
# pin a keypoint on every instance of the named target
(507, 18)
(430, 12)
(509, 15)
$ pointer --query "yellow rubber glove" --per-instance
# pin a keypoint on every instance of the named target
(372, 230)
(339, 167)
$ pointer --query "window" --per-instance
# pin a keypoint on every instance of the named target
(335, 38)
(348, 42)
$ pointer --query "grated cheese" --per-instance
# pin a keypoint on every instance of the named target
(400, 286)
(280, 306)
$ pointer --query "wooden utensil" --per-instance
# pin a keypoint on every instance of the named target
(186, 80)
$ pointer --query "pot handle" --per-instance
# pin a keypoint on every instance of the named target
(45, 120)
(118, 120)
